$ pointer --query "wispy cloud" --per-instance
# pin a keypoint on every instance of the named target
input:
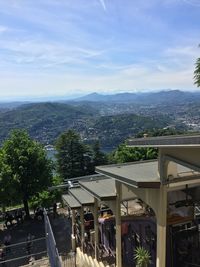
(57, 46)
(103, 4)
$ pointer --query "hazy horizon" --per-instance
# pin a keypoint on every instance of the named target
(54, 98)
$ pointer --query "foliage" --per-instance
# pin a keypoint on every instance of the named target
(47, 198)
(114, 130)
(7, 184)
(46, 121)
(28, 165)
(128, 154)
(73, 157)
(197, 73)
(43, 121)
(142, 257)
(99, 158)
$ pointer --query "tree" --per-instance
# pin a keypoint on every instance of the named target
(127, 154)
(72, 155)
(47, 197)
(197, 73)
(29, 166)
(99, 157)
(7, 184)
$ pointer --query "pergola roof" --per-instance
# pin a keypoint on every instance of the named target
(142, 174)
(70, 201)
(82, 196)
(103, 189)
(166, 141)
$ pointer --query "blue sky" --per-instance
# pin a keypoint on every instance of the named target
(69, 47)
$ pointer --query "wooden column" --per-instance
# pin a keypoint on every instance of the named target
(82, 227)
(73, 221)
(73, 231)
(118, 225)
(96, 228)
(161, 228)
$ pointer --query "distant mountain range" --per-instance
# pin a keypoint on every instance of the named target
(145, 98)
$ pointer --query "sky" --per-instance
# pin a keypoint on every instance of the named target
(74, 47)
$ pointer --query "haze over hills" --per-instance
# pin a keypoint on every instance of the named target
(155, 97)
(127, 97)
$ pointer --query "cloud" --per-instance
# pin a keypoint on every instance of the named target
(45, 54)
(60, 46)
(103, 4)
(3, 29)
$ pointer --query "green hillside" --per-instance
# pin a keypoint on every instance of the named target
(45, 121)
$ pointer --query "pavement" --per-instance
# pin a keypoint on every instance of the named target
(61, 227)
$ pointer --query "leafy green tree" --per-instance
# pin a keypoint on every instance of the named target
(197, 73)
(47, 198)
(127, 154)
(72, 155)
(99, 157)
(7, 184)
(28, 165)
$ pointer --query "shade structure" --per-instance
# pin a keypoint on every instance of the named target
(166, 141)
(82, 196)
(102, 189)
(70, 201)
(142, 174)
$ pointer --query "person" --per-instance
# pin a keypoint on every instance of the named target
(39, 214)
(29, 243)
(8, 218)
(7, 242)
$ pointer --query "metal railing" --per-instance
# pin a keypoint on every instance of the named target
(52, 250)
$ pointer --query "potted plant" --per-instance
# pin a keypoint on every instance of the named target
(142, 257)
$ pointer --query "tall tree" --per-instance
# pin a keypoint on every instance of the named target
(72, 157)
(197, 73)
(29, 166)
(7, 184)
(99, 157)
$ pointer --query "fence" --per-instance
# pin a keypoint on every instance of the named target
(19, 254)
(52, 250)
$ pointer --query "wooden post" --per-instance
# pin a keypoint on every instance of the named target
(118, 225)
(96, 228)
(73, 221)
(73, 232)
(161, 228)
(82, 228)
